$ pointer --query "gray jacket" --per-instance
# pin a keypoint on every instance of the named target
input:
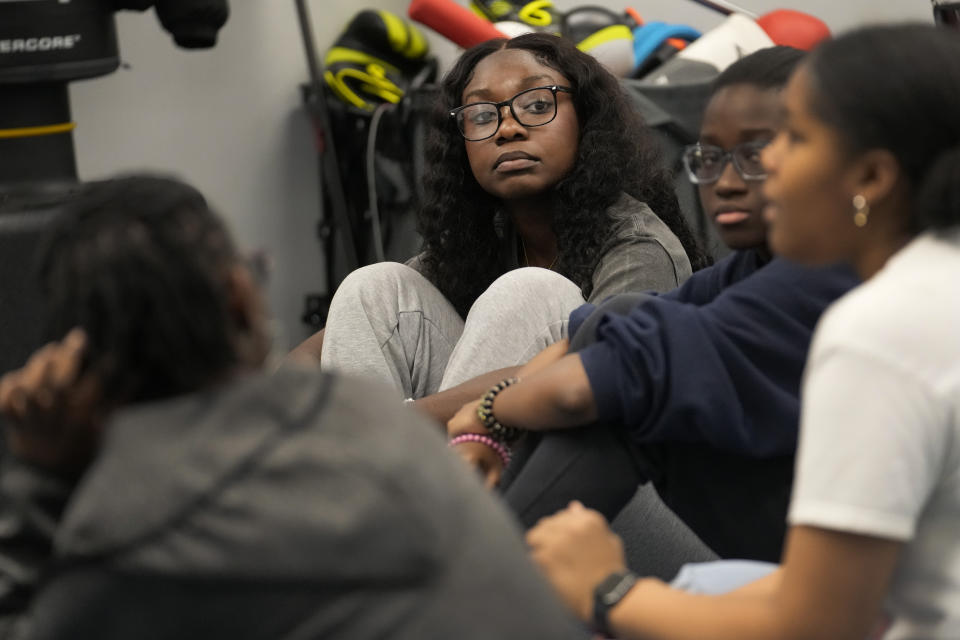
(290, 506)
(641, 254)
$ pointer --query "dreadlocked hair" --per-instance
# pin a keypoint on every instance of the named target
(139, 263)
(616, 153)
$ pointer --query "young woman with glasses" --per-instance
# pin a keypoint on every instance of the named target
(695, 390)
(867, 171)
(535, 158)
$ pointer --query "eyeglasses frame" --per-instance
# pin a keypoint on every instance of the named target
(554, 88)
(727, 156)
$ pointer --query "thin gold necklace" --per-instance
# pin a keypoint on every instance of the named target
(526, 261)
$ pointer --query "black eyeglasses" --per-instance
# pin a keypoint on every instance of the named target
(705, 162)
(531, 108)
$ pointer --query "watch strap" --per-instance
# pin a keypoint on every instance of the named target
(607, 595)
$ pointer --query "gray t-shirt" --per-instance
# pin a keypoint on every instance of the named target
(640, 254)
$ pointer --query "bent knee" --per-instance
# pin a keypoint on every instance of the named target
(529, 283)
(375, 278)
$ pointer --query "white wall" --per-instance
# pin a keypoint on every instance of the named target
(230, 121)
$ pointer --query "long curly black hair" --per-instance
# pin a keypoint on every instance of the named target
(617, 153)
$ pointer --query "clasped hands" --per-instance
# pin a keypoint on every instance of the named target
(479, 456)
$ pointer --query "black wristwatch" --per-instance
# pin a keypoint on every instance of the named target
(606, 595)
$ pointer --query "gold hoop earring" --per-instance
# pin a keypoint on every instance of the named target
(862, 210)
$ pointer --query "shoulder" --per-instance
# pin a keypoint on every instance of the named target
(788, 278)
(633, 218)
(706, 284)
(634, 226)
(906, 315)
(734, 267)
(352, 432)
(416, 263)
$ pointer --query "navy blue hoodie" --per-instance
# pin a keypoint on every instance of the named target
(706, 381)
(717, 361)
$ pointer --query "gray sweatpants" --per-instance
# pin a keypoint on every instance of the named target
(389, 323)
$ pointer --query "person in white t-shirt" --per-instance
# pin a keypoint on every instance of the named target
(866, 170)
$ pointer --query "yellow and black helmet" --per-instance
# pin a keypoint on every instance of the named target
(374, 58)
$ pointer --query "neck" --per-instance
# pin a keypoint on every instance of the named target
(876, 252)
(534, 224)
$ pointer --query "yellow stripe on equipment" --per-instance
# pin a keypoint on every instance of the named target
(32, 132)
(607, 34)
(613, 47)
(342, 54)
(537, 13)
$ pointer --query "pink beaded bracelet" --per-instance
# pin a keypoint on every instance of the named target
(501, 450)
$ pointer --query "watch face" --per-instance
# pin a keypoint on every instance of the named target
(615, 587)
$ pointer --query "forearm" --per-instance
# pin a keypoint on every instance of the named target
(557, 397)
(443, 405)
(654, 611)
(831, 587)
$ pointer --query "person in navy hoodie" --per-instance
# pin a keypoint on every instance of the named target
(695, 390)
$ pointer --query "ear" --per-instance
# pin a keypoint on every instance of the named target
(248, 312)
(875, 175)
(243, 297)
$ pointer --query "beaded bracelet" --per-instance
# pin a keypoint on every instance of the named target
(498, 432)
(501, 450)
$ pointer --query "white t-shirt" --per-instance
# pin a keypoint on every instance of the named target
(880, 429)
